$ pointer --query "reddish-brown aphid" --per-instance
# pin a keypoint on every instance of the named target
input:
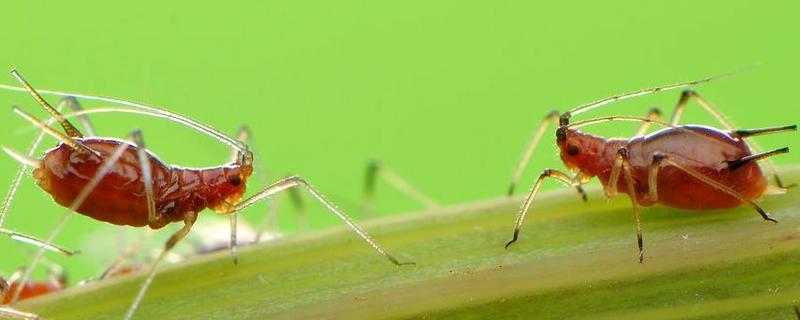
(682, 166)
(122, 183)
(120, 198)
(30, 289)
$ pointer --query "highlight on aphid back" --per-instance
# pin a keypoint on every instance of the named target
(406, 160)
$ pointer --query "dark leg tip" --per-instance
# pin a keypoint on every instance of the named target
(771, 219)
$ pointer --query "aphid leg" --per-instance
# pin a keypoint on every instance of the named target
(626, 169)
(147, 174)
(188, 220)
(21, 171)
(375, 169)
(727, 124)
(10, 313)
(79, 199)
(294, 181)
(37, 242)
(610, 188)
(124, 255)
(83, 118)
(797, 312)
(653, 114)
(547, 173)
(537, 136)
(68, 127)
(653, 180)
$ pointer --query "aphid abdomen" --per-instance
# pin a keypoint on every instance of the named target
(702, 149)
(119, 197)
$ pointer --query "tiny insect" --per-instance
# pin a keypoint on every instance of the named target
(682, 166)
(29, 289)
(123, 183)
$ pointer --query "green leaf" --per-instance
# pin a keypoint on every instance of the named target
(573, 260)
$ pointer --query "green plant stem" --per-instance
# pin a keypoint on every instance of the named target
(574, 260)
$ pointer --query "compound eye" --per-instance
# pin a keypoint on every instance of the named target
(572, 150)
(235, 180)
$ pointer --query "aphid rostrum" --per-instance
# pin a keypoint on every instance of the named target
(682, 166)
(123, 183)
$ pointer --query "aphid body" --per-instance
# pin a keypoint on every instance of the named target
(703, 149)
(681, 166)
(120, 198)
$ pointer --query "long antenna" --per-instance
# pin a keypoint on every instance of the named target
(589, 106)
(166, 114)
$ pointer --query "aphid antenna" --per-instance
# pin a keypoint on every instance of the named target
(616, 118)
(564, 119)
(165, 114)
(631, 118)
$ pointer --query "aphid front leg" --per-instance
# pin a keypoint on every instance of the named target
(547, 173)
(629, 184)
(653, 182)
(294, 181)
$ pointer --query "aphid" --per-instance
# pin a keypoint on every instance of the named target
(683, 166)
(124, 184)
(29, 289)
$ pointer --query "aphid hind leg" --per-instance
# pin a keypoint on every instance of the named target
(547, 173)
(295, 181)
(727, 124)
(658, 158)
(653, 114)
(376, 169)
(189, 221)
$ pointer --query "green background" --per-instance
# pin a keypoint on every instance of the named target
(445, 92)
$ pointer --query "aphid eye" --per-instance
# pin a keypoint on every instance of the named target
(235, 180)
(572, 150)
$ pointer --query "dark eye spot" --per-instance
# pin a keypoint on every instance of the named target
(235, 180)
(572, 150)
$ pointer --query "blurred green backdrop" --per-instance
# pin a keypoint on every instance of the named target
(445, 92)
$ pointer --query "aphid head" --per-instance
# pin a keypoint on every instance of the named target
(245, 162)
(579, 151)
